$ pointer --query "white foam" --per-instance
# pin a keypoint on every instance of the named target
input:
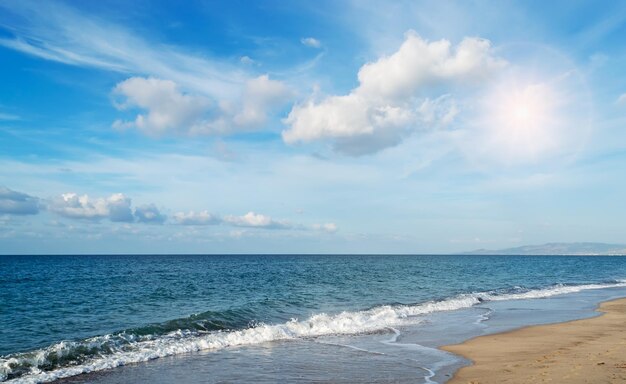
(558, 289)
(346, 323)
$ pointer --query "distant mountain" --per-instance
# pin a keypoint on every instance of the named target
(557, 249)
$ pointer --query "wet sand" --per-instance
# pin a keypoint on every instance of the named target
(582, 351)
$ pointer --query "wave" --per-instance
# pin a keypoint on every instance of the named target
(213, 331)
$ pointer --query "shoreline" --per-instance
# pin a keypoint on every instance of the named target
(589, 350)
(444, 327)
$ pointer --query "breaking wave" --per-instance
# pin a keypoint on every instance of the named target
(214, 331)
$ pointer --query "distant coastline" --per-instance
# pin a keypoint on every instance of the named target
(560, 249)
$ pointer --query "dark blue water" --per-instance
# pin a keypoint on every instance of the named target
(68, 311)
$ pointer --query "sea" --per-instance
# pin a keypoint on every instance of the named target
(277, 318)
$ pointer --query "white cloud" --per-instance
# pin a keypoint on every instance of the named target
(256, 220)
(197, 94)
(167, 108)
(250, 219)
(171, 111)
(622, 99)
(17, 203)
(311, 42)
(335, 116)
(441, 110)
(119, 208)
(57, 32)
(79, 207)
(419, 63)
(357, 124)
(116, 207)
(149, 214)
(390, 101)
(196, 218)
(260, 96)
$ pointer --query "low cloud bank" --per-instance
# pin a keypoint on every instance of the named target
(119, 208)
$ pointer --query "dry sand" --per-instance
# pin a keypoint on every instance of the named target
(582, 351)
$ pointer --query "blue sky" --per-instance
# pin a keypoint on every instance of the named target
(310, 127)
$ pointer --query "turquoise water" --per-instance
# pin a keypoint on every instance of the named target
(66, 315)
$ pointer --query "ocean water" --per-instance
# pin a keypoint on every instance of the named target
(276, 318)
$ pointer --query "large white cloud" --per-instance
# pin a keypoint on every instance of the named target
(419, 62)
(169, 110)
(389, 102)
(17, 203)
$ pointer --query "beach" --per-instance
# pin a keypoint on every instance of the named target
(581, 351)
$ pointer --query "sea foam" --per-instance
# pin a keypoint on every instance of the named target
(70, 358)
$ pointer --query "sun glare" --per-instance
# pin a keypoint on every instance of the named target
(522, 121)
(537, 111)
(521, 113)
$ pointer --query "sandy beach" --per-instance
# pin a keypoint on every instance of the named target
(583, 351)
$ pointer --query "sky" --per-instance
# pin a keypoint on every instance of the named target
(310, 126)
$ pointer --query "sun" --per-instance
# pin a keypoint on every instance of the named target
(521, 113)
(521, 120)
(537, 112)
